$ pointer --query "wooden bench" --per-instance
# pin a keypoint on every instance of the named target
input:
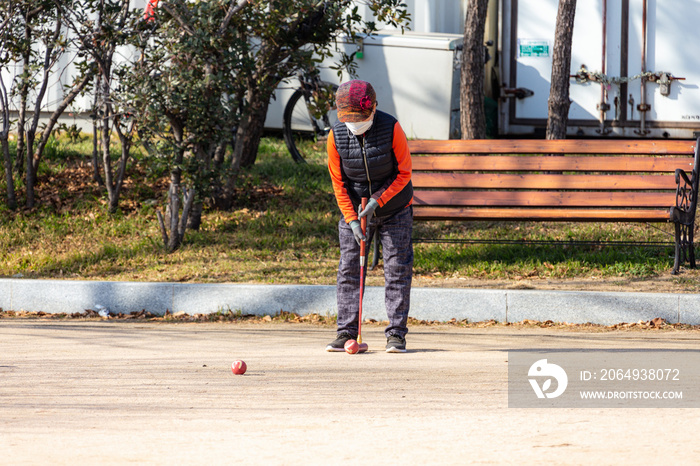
(560, 180)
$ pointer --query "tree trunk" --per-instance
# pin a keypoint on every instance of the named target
(11, 197)
(217, 189)
(21, 121)
(105, 117)
(245, 150)
(32, 162)
(30, 175)
(106, 136)
(126, 141)
(23, 97)
(96, 177)
(5, 145)
(251, 129)
(472, 116)
(220, 154)
(174, 241)
(194, 222)
(561, 69)
(177, 223)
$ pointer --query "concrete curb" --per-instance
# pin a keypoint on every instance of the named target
(69, 296)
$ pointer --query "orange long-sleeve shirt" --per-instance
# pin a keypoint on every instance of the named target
(403, 157)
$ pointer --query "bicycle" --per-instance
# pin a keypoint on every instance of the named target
(309, 115)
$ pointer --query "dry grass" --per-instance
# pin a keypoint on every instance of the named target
(283, 229)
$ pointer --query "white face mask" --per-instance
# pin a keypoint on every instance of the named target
(361, 127)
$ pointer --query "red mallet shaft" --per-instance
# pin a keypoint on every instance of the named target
(363, 247)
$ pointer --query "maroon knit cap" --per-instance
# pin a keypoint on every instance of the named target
(355, 101)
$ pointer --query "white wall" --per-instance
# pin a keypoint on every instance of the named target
(444, 16)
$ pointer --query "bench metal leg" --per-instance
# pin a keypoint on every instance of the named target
(375, 251)
(685, 250)
(677, 255)
(691, 246)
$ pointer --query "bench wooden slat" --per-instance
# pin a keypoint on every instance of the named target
(541, 199)
(536, 181)
(543, 146)
(554, 163)
(580, 215)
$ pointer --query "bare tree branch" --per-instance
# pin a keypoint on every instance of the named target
(233, 9)
(5, 23)
(32, 160)
(188, 198)
(186, 27)
(84, 40)
(4, 108)
(163, 230)
(67, 100)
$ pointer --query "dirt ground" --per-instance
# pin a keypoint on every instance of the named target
(687, 281)
(116, 392)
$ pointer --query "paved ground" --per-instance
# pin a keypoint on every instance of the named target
(106, 392)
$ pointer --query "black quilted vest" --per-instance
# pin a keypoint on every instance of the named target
(368, 162)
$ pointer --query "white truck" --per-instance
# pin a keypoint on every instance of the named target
(633, 68)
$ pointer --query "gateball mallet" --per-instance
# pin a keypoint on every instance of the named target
(363, 257)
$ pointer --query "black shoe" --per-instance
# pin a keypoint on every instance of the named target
(339, 343)
(395, 344)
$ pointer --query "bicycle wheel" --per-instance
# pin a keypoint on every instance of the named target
(307, 123)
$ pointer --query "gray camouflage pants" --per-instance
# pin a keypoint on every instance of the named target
(397, 252)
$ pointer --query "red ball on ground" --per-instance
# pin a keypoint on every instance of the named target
(239, 367)
(351, 346)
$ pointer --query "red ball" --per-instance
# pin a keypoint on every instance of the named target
(239, 367)
(352, 347)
